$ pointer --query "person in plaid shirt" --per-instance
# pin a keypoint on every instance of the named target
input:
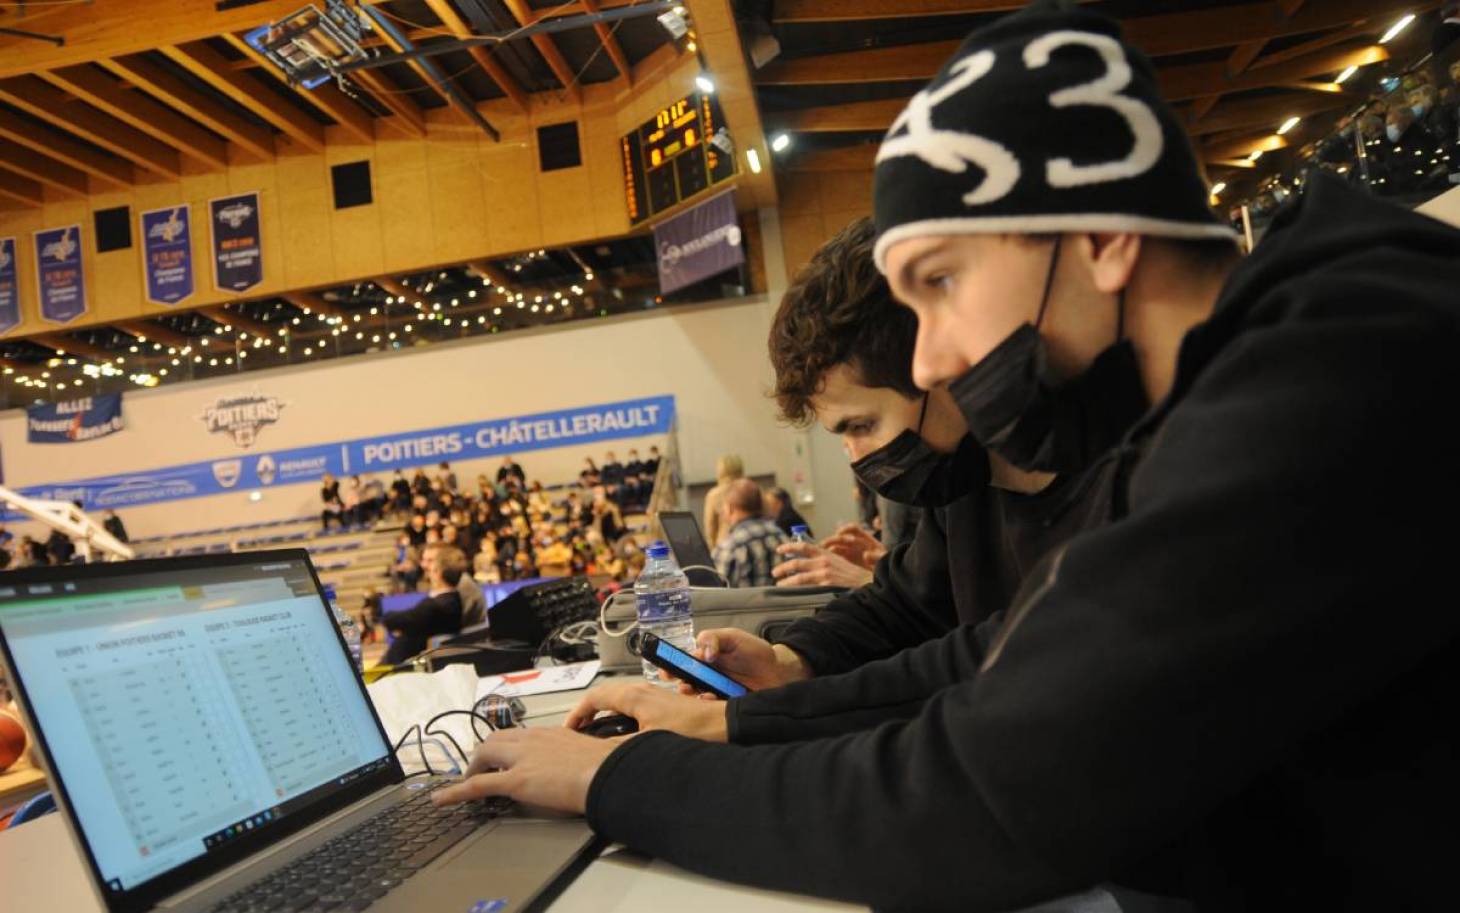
(748, 552)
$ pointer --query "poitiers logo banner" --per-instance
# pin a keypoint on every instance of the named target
(167, 254)
(238, 255)
(9, 290)
(484, 439)
(242, 416)
(697, 244)
(74, 420)
(59, 276)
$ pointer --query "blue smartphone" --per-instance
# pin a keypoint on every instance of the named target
(686, 668)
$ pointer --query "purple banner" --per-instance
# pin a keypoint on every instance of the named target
(59, 278)
(238, 255)
(9, 287)
(697, 244)
(167, 254)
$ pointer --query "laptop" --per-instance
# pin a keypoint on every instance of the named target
(691, 552)
(213, 749)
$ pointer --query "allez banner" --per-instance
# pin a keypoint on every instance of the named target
(238, 256)
(471, 441)
(9, 287)
(167, 254)
(59, 276)
(74, 420)
(697, 244)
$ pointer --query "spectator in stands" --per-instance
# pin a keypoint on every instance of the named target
(400, 491)
(510, 469)
(607, 518)
(420, 484)
(537, 499)
(450, 535)
(111, 523)
(612, 473)
(433, 535)
(415, 530)
(372, 499)
(778, 507)
(433, 519)
(747, 554)
(634, 466)
(523, 567)
(350, 503)
(34, 551)
(589, 476)
(484, 564)
(60, 547)
(555, 558)
(447, 477)
(578, 511)
(728, 469)
(651, 465)
(473, 600)
(333, 507)
(439, 613)
(405, 566)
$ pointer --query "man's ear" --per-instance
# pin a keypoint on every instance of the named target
(1112, 258)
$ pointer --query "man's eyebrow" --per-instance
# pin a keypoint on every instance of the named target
(841, 426)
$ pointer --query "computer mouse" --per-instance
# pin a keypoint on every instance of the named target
(614, 724)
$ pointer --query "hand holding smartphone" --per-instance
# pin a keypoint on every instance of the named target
(686, 668)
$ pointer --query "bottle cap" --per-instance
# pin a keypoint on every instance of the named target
(799, 530)
(657, 549)
(329, 592)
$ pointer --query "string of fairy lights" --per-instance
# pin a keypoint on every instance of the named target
(430, 310)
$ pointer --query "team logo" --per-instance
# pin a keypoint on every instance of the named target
(170, 230)
(227, 472)
(266, 469)
(242, 416)
(235, 215)
(61, 249)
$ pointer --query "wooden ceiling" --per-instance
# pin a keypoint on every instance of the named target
(138, 88)
(1234, 69)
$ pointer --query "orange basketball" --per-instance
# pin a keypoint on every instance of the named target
(12, 740)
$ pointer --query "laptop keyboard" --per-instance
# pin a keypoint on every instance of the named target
(368, 861)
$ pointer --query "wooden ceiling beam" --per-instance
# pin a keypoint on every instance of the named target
(1266, 113)
(116, 173)
(1228, 26)
(65, 345)
(45, 102)
(156, 332)
(140, 112)
(418, 65)
(314, 304)
(483, 56)
(1302, 49)
(113, 29)
(1188, 81)
(239, 321)
(31, 164)
(610, 43)
(344, 110)
(799, 11)
(408, 117)
(394, 288)
(178, 94)
(211, 67)
(21, 189)
(525, 15)
(847, 158)
(902, 62)
(849, 117)
(489, 271)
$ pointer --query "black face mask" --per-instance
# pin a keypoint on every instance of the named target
(906, 470)
(1016, 408)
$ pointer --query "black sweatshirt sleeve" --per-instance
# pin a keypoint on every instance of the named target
(425, 617)
(909, 601)
(1155, 668)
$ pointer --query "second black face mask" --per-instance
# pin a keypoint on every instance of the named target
(908, 471)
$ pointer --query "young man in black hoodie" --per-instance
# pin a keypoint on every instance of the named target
(1241, 691)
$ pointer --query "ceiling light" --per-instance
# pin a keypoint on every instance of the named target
(1218, 187)
(374, 311)
(283, 350)
(781, 142)
(1288, 124)
(754, 160)
(1346, 74)
(1256, 154)
(1396, 28)
(705, 84)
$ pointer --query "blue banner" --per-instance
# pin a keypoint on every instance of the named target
(9, 289)
(167, 254)
(472, 441)
(74, 420)
(238, 255)
(61, 285)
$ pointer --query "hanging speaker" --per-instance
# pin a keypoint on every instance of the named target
(113, 229)
(557, 146)
(352, 184)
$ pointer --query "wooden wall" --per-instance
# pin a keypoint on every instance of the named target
(453, 196)
(816, 204)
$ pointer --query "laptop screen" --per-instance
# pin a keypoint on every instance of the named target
(186, 707)
(682, 532)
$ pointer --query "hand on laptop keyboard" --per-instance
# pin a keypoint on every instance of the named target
(547, 767)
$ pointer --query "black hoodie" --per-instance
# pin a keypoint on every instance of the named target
(1242, 691)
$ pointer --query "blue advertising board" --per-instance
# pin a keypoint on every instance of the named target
(469, 441)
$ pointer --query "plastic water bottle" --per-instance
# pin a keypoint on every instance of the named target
(661, 597)
(800, 533)
(348, 626)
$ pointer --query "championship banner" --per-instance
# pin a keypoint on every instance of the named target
(238, 255)
(74, 420)
(472, 441)
(697, 244)
(9, 289)
(61, 285)
(167, 254)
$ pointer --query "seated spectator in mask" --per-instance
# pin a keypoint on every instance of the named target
(537, 498)
(333, 507)
(113, 524)
(405, 566)
(746, 554)
(778, 507)
(633, 466)
(350, 503)
(447, 477)
(415, 530)
(400, 492)
(420, 484)
(510, 469)
(556, 557)
(60, 547)
(438, 613)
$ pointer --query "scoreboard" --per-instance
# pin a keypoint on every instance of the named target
(682, 151)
